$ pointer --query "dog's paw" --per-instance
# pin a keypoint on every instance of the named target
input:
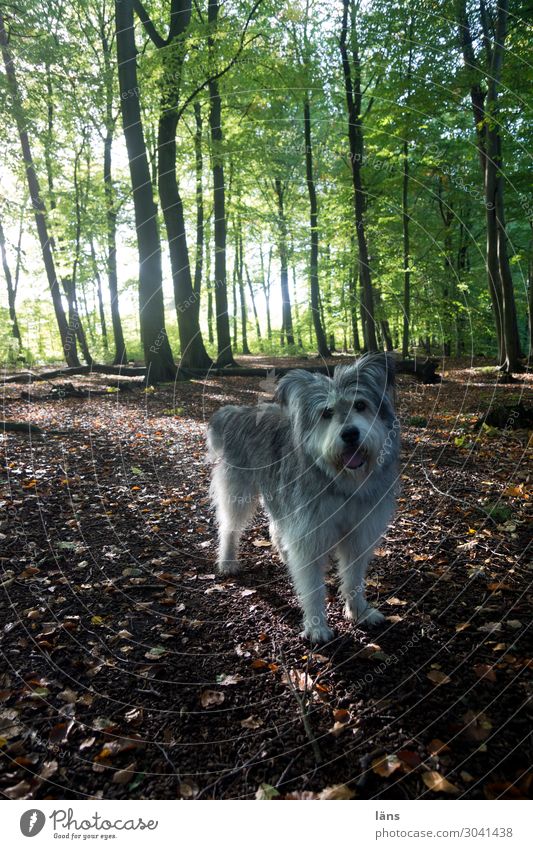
(365, 618)
(229, 567)
(317, 634)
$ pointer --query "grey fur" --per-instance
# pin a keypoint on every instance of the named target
(292, 459)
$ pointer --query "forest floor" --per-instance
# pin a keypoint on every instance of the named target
(130, 669)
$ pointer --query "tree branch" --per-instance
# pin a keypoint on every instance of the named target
(148, 25)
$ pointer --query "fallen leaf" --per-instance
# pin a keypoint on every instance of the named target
(386, 765)
(261, 543)
(477, 726)
(266, 791)
(410, 759)
(211, 697)
(490, 627)
(48, 769)
(436, 746)
(252, 722)
(337, 791)
(484, 670)
(188, 789)
(436, 782)
(438, 677)
(228, 680)
(462, 626)
(122, 776)
(18, 791)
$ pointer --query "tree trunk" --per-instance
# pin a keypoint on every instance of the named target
(39, 208)
(254, 308)
(11, 290)
(101, 311)
(406, 253)
(225, 354)
(193, 353)
(355, 137)
(485, 113)
(157, 353)
(322, 346)
(265, 285)
(121, 355)
(199, 257)
(283, 250)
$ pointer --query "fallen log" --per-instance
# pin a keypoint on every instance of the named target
(21, 427)
(423, 370)
(34, 377)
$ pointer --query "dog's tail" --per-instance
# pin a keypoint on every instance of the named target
(215, 432)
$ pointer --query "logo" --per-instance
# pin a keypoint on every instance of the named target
(32, 822)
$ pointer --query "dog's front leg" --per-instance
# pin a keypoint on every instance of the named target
(307, 573)
(352, 567)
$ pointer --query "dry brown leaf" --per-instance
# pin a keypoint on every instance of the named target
(462, 626)
(252, 722)
(208, 698)
(261, 543)
(18, 791)
(122, 776)
(337, 791)
(485, 671)
(341, 715)
(188, 789)
(436, 746)
(386, 765)
(477, 726)
(436, 782)
(48, 769)
(438, 677)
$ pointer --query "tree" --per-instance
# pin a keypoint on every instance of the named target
(67, 334)
(157, 353)
(486, 113)
(354, 98)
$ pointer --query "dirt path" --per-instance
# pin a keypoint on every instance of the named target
(130, 670)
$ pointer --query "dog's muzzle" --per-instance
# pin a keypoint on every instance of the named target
(353, 456)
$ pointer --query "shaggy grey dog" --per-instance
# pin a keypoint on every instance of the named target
(323, 462)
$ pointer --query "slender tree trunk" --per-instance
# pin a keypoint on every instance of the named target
(225, 354)
(355, 136)
(199, 257)
(283, 250)
(11, 291)
(406, 253)
(322, 345)
(101, 310)
(240, 280)
(157, 352)
(296, 307)
(110, 206)
(209, 286)
(485, 113)
(265, 285)
(353, 311)
(254, 308)
(37, 202)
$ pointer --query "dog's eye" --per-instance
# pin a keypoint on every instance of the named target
(359, 406)
(327, 413)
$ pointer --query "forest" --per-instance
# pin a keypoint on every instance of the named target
(188, 184)
(198, 196)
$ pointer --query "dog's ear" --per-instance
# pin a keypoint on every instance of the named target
(380, 367)
(292, 383)
(376, 369)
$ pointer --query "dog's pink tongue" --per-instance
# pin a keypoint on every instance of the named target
(353, 459)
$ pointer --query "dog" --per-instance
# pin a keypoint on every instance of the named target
(323, 462)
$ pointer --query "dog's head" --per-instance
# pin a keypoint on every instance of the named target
(346, 423)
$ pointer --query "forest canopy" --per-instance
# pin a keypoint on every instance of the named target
(193, 182)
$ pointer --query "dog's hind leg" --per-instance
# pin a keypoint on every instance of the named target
(235, 507)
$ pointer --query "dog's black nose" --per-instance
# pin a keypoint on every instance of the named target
(350, 435)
